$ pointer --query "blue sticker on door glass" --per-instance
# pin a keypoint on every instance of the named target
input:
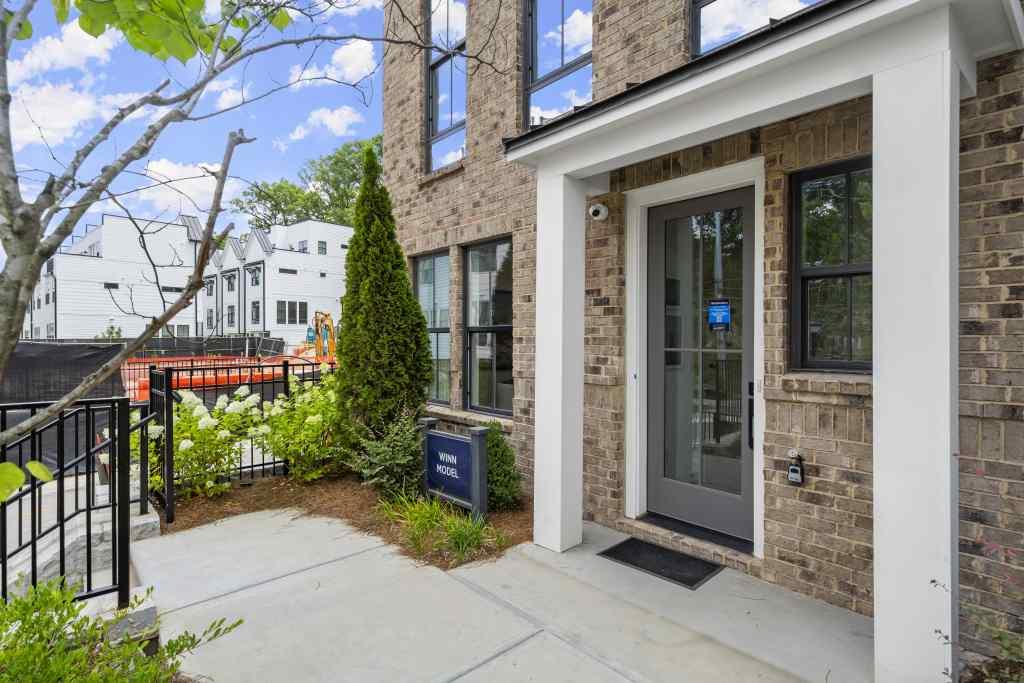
(719, 315)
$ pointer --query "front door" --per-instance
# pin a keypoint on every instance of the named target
(700, 361)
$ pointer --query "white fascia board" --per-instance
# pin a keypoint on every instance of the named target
(828, 63)
(1015, 14)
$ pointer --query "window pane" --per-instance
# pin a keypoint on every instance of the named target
(723, 21)
(442, 278)
(828, 319)
(440, 346)
(292, 313)
(577, 29)
(490, 285)
(491, 383)
(823, 221)
(448, 150)
(457, 106)
(860, 221)
(425, 288)
(862, 318)
(441, 79)
(303, 313)
(503, 372)
(682, 285)
(554, 99)
(548, 27)
(448, 22)
(281, 316)
(722, 273)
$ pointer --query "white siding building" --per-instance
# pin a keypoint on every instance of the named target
(261, 282)
(273, 281)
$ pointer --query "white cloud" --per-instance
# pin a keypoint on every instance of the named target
(579, 32)
(60, 110)
(727, 19)
(190, 192)
(452, 156)
(350, 63)
(230, 97)
(448, 15)
(339, 122)
(572, 99)
(73, 49)
(350, 8)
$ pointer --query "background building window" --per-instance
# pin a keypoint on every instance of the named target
(559, 72)
(433, 276)
(209, 288)
(293, 312)
(303, 246)
(231, 282)
(282, 315)
(831, 290)
(209, 319)
(446, 84)
(489, 327)
(254, 316)
(719, 22)
(231, 316)
(321, 247)
(303, 313)
(254, 277)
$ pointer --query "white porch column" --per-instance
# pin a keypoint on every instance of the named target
(558, 386)
(916, 130)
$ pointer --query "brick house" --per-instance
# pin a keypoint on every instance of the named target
(675, 251)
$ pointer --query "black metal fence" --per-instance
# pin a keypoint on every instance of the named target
(77, 526)
(268, 381)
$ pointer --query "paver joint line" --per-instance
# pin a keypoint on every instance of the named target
(487, 660)
(275, 578)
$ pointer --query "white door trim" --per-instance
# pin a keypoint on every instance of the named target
(742, 174)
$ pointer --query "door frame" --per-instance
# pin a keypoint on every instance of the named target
(734, 176)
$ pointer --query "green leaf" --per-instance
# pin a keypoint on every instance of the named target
(179, 47)
(11, 479)
(91, 25)
(39, 470)
(281, 19)
(25, 30)
(61, 9)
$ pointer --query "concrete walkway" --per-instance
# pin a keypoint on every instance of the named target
(323, 602)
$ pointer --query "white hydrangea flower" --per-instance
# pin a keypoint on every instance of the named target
(155, 431)
(223, 434)
(106, 432)
(222, 401)
(276, 410)
(252, 400)
(314, 419)
(263, 430)
(267, 405)
(207, 422)
(325, 368)
(234, 408)
(185, 445)
(189, 398)
(200, 411)
(242, 391)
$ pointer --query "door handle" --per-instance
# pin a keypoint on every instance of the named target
(750, 415)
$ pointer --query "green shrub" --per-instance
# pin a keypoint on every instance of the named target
(503, 485)
(44, 637)
(394, 462)
(302, 428)
(430, 526)
(383, 348)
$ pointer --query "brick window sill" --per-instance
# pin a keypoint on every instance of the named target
(443, 172)
(828, 383)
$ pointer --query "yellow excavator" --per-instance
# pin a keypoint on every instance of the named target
(320, 340)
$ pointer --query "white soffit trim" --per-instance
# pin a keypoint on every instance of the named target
(1015, 13)
(823, 65)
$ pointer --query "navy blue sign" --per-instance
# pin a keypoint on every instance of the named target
(719, 315)
(449, 465)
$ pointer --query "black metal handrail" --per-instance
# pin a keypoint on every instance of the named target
(77, 429)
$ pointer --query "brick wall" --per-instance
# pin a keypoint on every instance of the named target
(992, 351)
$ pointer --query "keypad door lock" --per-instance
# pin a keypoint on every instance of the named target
(795, 473)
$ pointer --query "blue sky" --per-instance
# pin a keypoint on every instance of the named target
(66, 84)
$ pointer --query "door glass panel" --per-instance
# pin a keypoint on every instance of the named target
(704, 366)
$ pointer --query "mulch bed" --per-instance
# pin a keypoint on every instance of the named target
(994, 671)
(344, 498)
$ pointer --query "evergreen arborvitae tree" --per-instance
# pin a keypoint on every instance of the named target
(384, 360)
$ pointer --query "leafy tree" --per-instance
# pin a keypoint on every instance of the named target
(110, 334)
(383, 351)
(329, 185)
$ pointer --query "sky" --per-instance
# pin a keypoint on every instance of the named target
(66, 84)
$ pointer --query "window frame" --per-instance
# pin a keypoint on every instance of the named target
(303, 247)
(467, 345)
(800, 274)
(254, 312)
(281, 312)
(432, 63)
(416, 261)
(532, 85)
(230, 315)
(321, 247)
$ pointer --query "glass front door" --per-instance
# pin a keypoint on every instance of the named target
(700, 332)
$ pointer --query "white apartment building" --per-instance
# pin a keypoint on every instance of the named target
(273, 281)
(103, 278)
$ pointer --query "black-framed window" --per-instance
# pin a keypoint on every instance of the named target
(559, 72)
(254, 312)
(209, 319)
(717, 22)
(231, 315)
(433, 280)
(209, 287)
(446, 83)
(303, 246)
(230, 279)
(303, 313)
(254, 277)
(488, 357)
(831, 288)
(321, 247)
(282, 312)
(293, 312)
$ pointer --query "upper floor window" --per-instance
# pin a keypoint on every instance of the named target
(321, 248)
(446, 83)
(255, 312)
(230, 279)
(719, 22)
(558, 65)
(254, 277)
(831, 284)
(303, 246)
(231, 316)
(209, 288)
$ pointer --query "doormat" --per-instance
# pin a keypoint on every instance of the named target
(686, 570)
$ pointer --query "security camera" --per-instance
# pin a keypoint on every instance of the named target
(598, 212)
